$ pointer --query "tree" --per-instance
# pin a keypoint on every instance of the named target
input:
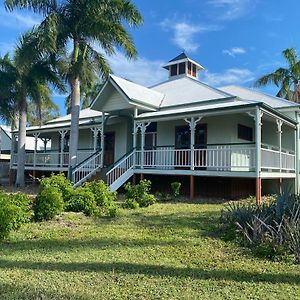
(88, 94)
(89, 26)
(286, 79)
(25, 78)
(40, 113)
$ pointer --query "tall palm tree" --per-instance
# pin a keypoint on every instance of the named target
(89, 26)
(25, 78)
(286, 79)
(88, 92)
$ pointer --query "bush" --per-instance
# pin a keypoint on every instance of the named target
(60, 182)
(271, 229)
(103, 195)
(14, 212)
(140, 193)
(82, 201)
(175, 189)
(49, 203)
(131, 204)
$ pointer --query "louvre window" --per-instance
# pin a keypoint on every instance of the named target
(182, 68)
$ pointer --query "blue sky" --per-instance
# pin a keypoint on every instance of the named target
(235, 40)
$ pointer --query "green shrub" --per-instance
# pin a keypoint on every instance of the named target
(49, 203)
(131, 204)
(164, 196)
(270, 229)
(14, 212)
(140, 193)
(82, 201)
(175, 189)
(103, 195)
(60, 182)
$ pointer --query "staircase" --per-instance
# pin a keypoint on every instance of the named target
(86, 169)
(121, 171)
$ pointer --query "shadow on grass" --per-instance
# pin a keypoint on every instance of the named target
(75, 244)
(206, 223)
(22, 291)
(155, 270)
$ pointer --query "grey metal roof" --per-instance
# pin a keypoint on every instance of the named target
(256, 96)
(139, 93)
(232, 103)
(185, 90)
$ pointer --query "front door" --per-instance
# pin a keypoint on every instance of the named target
(183, 141)
(109, 148)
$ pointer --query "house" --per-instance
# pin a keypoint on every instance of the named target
(230, 138)
(5, 149)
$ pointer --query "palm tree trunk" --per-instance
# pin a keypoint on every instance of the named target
(20, 181)
(75, 109)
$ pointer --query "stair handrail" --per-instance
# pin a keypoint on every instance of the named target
(85, 173)
(131, 153)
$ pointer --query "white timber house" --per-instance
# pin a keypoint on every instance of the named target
(180, 127)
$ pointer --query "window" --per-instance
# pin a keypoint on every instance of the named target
(194, 70)
(182, 68)
(173, 70)
(189, 68)
(245, 133)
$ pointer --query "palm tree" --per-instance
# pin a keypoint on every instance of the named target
(89, 26)
(25, 78)
(286, 79)
(88, 92)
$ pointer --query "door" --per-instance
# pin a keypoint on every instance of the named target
(183, 142)
(200, 146)
(109, 148)
(150, 145)
(182, 146)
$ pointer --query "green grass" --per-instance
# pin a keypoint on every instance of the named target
(167, 251)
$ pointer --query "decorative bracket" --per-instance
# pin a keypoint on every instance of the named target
(192, 122)
(279, 125)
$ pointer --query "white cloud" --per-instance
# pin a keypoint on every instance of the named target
(231, 9)
(234, 51)
(229, 76)
(142, 70)
(184, 33)
(17, 20)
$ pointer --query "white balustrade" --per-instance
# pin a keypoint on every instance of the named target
(86, 168)
(121, 168)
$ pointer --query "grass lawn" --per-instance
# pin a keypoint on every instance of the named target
(167, 251)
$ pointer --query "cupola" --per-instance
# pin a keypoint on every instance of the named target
(182, 65)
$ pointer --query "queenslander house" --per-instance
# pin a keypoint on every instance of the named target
(231, 141)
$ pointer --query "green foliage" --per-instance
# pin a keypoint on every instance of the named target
(131, 204)
(140, 193)
(175, 189)
(14, 212)
(82, 201)
(103, 195)
(49, 203)
(270, 229)
(60, 182)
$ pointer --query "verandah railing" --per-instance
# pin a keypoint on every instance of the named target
(218, 158)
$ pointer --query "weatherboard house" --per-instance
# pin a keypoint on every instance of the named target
(231, 140)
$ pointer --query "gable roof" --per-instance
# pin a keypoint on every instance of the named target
(256, 96)
(133, 93)
(186, 90)
(138, 93)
